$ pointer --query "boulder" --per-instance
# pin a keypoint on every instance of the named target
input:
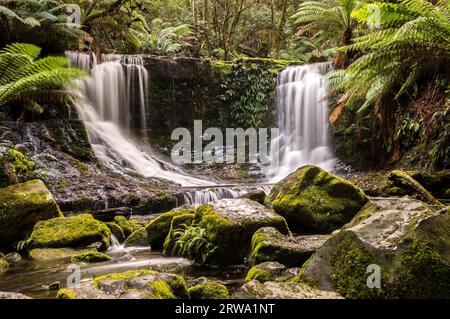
(116, 230)
(128, 226)
(281, 290)
(21, 207)
(90, 257)
(257, 195)
(76, 231)
(12, 295)
(178, 222)
(314, 201)
(268, 244)
(137, 239)
(41, 254)
(209, 290)
(393, 248)
(267, 271)
(158, 229)
(230, 225)
(3, 265)
(134, 284)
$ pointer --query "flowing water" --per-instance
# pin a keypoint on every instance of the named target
(303, 121)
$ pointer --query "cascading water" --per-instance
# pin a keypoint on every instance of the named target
(303, 121)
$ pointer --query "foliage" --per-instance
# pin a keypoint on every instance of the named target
(191, 242)
(41, 22)
(249, 92)
(30, 82)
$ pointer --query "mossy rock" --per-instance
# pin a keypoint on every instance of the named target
(66, 294)
(21, 207)
(42, 254)
(268, 244)
(137, 239)
(116, 230)
(230, 225)
(128, 226)
(90, 257)
(267, 271)
(258, 196)
(158, 229)
(209, 290)
(77, 231)
(3, 265)
(405, 238)
(177, 223)
(314, 201)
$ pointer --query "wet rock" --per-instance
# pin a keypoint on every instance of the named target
(158, 229)
(117, 231)
(131, 284)
(41, 254)
(76, 231)
(209, 290)
(267, 271)
(268, 244)
(13, 257)
(258, 196)
(230, 225)
(314, 201)
(21, 207)
(54, 286)
(403, 240)
(12, 295)
(281, 290)
(3, 265)
(90, 257)
(126, 257)
(137, 239)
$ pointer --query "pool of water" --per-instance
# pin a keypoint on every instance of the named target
(32, 278)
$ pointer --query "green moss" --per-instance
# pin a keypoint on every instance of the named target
(117, 231)
(19, 162)
(40, 254)
(177, 223)
(178, 286)
(160, 290)
(76, 231)
(209, 290)
(91, 257)
(124, 275)
(137, 239)
(315, 201)
(256, 273)
(128, 226)
(3, 265)
(158, 229)
(66, 294)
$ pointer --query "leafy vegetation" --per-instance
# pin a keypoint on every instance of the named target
(191, 242)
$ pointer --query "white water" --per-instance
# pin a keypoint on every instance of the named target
(303, 121)
(107, 102)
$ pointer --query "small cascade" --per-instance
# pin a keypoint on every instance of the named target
(207, 195)
(303, 121)
(115, 244)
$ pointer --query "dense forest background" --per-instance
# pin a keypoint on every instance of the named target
(390, 82)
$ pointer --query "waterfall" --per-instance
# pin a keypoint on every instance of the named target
(108, 99)
(303, 121)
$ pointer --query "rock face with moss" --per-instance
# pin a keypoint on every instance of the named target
(314, 201)
(21, 207)
(281, 290)
(90, 257)
(230, 225)
(134, 284)
(42, 254)
(267, 271)
(405, 238)
(77, 231)
(138, 238)
(158, 229)
(268, 244)
(209, 290)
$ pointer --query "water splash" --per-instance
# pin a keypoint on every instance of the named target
(303, 121)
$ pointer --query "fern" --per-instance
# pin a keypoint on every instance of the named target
(192, 242)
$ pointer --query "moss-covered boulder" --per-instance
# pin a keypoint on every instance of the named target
(128, 226)
(133, 284)
(281, 290)
(402, 241)
(66, 294)
(42, 254)
(209, 290)
(3, 265)
(230, 225)
(314, 201)
(268, 244)
(21, 207)
(90, 257)
(77, 231)
(268, 271)
(178, 222)
(117, 231)
(137, 239)
(158, 229)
